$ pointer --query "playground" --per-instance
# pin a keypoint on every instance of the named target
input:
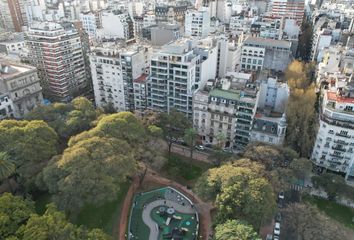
(164, 213)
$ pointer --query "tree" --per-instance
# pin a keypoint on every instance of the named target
(219, 156)
(301, 168)
(29, 144)
(303, 221)
(240, 190)
(300, 110)
(14, 211)
(270, 156)
(235, 230)
(7, 168)
(53, 225)
(305, 40)
(190, 135)
(67, 119)
(301, 120)
(334, 185)
(173, 125)
(103, 163)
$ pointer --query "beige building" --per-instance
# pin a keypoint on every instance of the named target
(20, 90)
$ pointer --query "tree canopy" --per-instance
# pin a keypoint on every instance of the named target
(240, 190)
(90, 172)
(235, 230)
(7, 168)
(14, 211)
(303, 221)
(334, 185)
(300, 111)
(269, 155)
(29, 144)
(53, 225)
(173, 125)
(104, 156)
(67, 119)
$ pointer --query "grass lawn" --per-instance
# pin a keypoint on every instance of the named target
(184, 171)
(334, 210)
(105, 217)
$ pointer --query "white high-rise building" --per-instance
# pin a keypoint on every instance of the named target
(177, 71)
(56, 50)
(197, 23)
(334, 146)
(114, 69)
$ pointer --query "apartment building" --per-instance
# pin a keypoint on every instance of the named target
(20, 90)
(114, 69)
(177, 71)
(269, 125)
(56, 50)
(333, 149)
(91, 21)
(225, 110)
(140, 93)
(197, 23)
(13, 15)
(171, 13)
(116, 24)
(293, 9)
(259, 53)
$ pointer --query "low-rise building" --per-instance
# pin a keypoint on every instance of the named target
(226, 111)
(20, 90)
(258, 54)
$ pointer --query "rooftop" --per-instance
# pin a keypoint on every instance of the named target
(333, 96)
(267, 42)
(9, 70)
(141, 79)
(227, 94)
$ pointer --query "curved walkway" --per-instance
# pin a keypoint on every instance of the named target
(154, 232)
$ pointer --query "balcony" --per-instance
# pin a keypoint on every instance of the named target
(339, 149)
(342, 135)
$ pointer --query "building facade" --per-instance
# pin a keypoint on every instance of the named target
(293, 9)
(113, 70)
(56, 51)
(13, 15)
(176, 72)
(333, 149)
(20, 90)
(258, 54)
(226, 111)
(197, 23)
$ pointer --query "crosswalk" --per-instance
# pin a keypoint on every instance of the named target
(296, 187)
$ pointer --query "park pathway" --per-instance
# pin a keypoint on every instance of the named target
(154, 233)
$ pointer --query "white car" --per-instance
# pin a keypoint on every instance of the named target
(281, 195)
(200, 147)
(277, 229)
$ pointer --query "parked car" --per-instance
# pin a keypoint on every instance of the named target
(278, 217)
(276, 238)
(277, 229)
(281, 195)
(269, 237)
(228, 150)
(200, 147)
(208, 145)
